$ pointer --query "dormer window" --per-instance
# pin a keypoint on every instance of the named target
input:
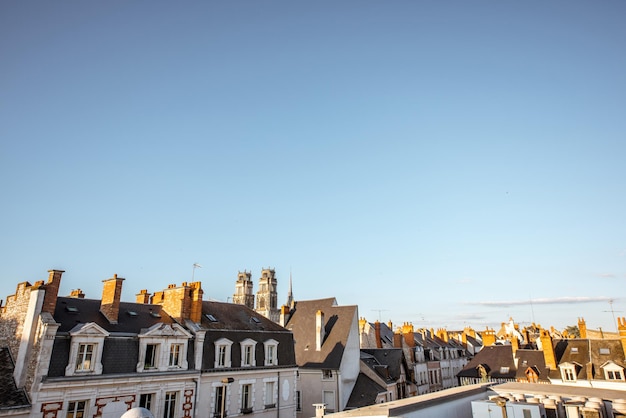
(569, 371)
(247, 353)
(222, 353)
(613, 371)
(86, 348)
(163, 347)
(271, 352)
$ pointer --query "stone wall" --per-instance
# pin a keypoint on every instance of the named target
(12, 316)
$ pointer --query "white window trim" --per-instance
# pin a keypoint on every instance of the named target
(568, 367)
(273, 361)
(223, 342)
(89, 333)
(164, 336)
(610, 366)
(248, 342)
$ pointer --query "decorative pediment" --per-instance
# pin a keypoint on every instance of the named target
(612, 366)
(165, 331)
(90, 329)
(572, 365)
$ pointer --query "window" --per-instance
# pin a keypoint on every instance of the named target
(605, 351)
(145, 401)
(169, 409)
(527, 413)
(77, 409)
(222, 353)
(246, 399)
(247, 353)
(298, 401)
(151, 356)
(327, 374)
(504, 370)
(175, 350)
(84, 357)
(271, 358)
(574, 350)
(568, 374)
(269, 395)
(614, 375)
(220, 401)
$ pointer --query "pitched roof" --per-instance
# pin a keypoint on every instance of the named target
(10, 395)
(233, 316)
(387, 362)
(132, 317)
(533, 359)
(338, 323)
(496, 359)
(364, 393)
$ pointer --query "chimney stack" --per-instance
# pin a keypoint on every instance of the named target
(409, 334)
(111, 294)
(77, 293)
(143, 296)
(548, 349)
(489, 337)
(319, 330)
(582, 328)
(52, 291)
(379, 342)
(621, 328)
(196, 302)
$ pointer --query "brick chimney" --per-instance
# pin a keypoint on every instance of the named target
(143, 296)
(52, 291)
(176, 301)
(442, 334)
(488, 336)
(548, 349)
(319, 330)
(379, 343)
(582, 328)
(196, 302)
(77, 293)
(397, 339)
(409, 334)
(621, 328)
(111, 294)
(514, 344)
(285, 312)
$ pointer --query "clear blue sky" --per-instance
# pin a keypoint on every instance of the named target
(441, 163)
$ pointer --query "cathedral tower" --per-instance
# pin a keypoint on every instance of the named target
(267, 296)
(243, 290)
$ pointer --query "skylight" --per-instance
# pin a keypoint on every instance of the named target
(210, 317)
(131, 313)
(71, 309)
(155, 315)
(255, 319)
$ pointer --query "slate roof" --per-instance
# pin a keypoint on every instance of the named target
(338, 321)
(534, 359)
(237, 323)
(10, 395)
(590, 355)
(386, 362)
(364, 393)
(120, 355)
(493, 358)
(72, 311)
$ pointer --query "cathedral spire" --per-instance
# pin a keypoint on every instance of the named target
(290, 293)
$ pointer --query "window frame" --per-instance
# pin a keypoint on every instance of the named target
(271, 352)
(226, 345)
(246, 398)
(84, 335)
(248, 353)
(146, 400)
(269, 394)
(170, 401)
(175, 355)
(162, 337)
(73, 411)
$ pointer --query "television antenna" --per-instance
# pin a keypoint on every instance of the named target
(379, 312)
(193, 271)
(613, 313)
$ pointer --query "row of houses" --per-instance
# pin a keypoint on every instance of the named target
(178, 355)
(590, 359)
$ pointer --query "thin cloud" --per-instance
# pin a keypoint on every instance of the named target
(465, 281)
(608, 275)
(545, 301)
